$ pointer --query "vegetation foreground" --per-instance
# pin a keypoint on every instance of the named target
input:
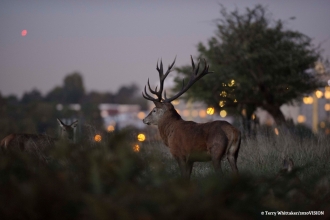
(110, 181)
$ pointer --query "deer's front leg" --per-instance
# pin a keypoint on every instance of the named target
(185, 167)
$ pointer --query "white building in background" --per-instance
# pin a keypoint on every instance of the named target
(119, 116)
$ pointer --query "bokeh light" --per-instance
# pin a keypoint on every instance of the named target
(141, 115)
(202, 113)
(222, 103)
(136, 148)
(141, 137)
(223, 113)
(319, 94)
(210, 111)
(24, 33)
(110, 128)
(308, 100)
(301, 119)
(327, 107)
(97, 138)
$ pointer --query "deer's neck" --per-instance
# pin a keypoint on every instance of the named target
(64, 136)
(167, 126)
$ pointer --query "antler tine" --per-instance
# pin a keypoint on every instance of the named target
(192, 62)
(162, 77)
(195, 76)
(147, 96)
(152, 91)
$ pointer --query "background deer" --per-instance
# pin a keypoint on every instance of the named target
(189, 141)
(37, 142)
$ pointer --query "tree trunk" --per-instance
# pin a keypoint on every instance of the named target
(276, 113)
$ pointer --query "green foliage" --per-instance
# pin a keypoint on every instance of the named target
(257, 63)
(109, 180)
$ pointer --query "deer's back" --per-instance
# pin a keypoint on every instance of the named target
(27, 142)
(188, 136)
(231, 132)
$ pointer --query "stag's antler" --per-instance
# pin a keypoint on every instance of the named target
(162, 78)
(195, 76)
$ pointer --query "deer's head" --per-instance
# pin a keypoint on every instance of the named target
(68, 130)
(163, 104)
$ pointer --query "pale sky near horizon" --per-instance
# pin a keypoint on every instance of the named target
(118, 42)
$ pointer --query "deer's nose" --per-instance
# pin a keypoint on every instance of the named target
(145, 121)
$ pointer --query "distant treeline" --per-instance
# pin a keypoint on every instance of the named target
(37, 113)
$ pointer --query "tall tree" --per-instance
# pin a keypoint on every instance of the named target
(73, 88)
(257, 63)
(33, 96)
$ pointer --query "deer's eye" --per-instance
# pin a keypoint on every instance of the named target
(154, 110)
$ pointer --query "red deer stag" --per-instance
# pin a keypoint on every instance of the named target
(36, 142)
(189, 141)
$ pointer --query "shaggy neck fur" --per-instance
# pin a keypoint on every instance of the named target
(167, 124)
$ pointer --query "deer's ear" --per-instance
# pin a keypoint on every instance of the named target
(60, 122)
(74, 124)
(158, 104)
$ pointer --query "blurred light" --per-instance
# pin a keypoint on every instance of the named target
(59, 107)
(210, 111)
(141, 115)
(232, 82)
(97, 138)
(223, 113)
(75, 107)
(24, 33)
(308, 100)
(194, 113)
(175, 102)
(223, 94)
(253, 116)
(136, 148)
(141, 137)
(235, 100)
(318, 94)
(110, 128)
(276, 131)
(322, 124)
(104, 113)
(327, 107)
(202, 113)
(327, 131)
(185, 113)
(301, 118)
(222, 103)
(244, 112)
(319, 67)
(327, 93)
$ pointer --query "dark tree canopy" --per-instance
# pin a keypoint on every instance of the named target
(72, 91)
(257, 63)
(33, 96)
(73, 88)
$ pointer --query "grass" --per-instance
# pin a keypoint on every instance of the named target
(108, 180)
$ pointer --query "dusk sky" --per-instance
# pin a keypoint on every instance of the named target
(117, 42)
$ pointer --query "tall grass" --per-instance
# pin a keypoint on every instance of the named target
(108, 180)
